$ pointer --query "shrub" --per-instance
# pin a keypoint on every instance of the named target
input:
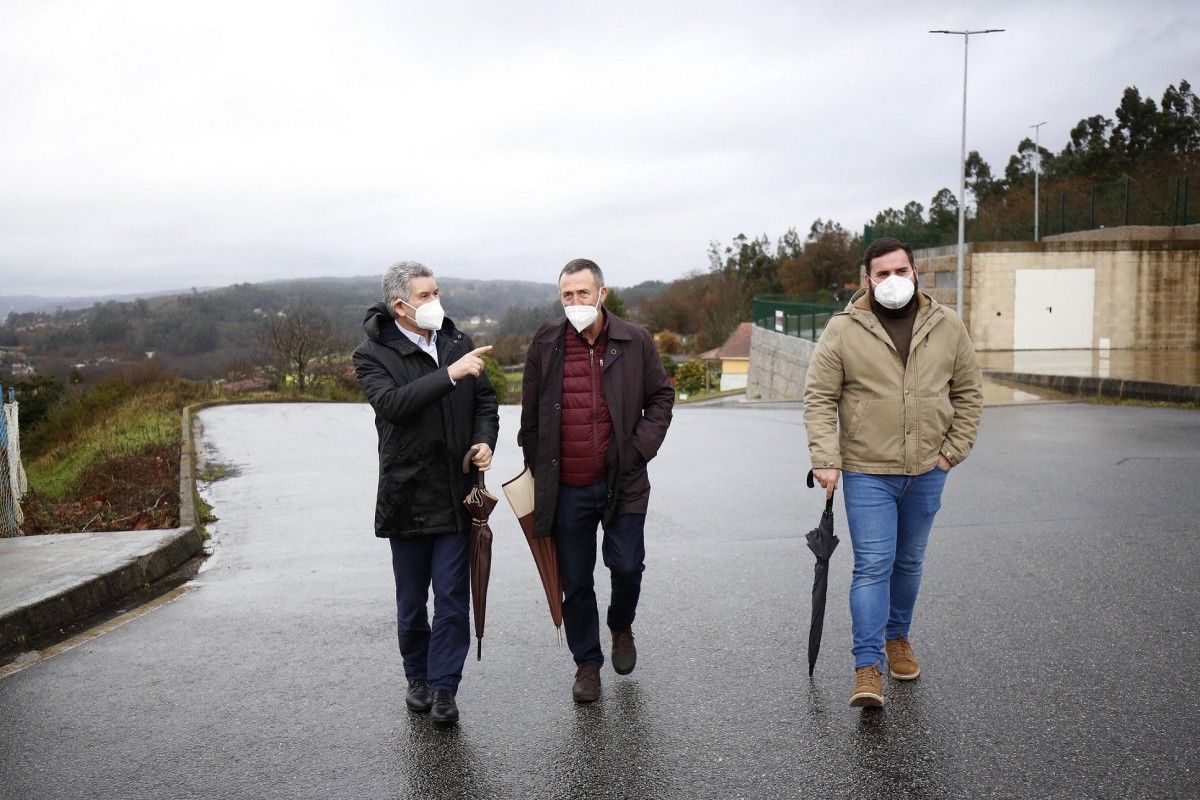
(690, 377)
(496, 377)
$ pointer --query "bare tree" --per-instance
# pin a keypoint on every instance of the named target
(299, 337)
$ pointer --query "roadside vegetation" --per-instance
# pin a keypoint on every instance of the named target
(105, 457)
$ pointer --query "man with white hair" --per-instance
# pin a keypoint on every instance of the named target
(433, 405)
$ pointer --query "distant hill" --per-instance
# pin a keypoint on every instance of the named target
(205, 334)
(24, 303)
(464, 298)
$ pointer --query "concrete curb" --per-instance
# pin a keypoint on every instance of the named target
(84, 593)
(1120, 388)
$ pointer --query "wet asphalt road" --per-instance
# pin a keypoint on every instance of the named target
(1058, 630)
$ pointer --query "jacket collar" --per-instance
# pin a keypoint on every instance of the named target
(380, 327)
(929, 313)
(618, 329)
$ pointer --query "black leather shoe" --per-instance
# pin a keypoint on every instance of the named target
(624, 654)
(419, 698)
(587, 683)
(444, 707)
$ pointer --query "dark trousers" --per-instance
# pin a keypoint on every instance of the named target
(576, 519)
(435, 655)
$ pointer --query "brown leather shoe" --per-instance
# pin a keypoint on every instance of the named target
(868, 688)
(624, 654)
(587, 683)
(902, 663)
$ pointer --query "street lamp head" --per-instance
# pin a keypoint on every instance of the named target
(971, 33)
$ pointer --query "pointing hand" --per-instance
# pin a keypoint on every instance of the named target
(470, 364)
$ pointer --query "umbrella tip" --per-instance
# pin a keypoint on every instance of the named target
(479, 650)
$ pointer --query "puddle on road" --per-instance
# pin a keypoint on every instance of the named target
(1003, 393)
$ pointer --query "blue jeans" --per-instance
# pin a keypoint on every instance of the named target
(890, 517)
(576, 518)
(436, 654)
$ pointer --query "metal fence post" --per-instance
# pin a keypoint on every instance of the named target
(1185, 199)
(1126, 217)
(10, 523)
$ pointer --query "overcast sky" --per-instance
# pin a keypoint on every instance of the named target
(156, 145)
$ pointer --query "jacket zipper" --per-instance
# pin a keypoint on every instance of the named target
(592, 380)
(448, 429)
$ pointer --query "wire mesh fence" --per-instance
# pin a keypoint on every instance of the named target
(1090, 206)
(13, 483)
(1063, 207)
(785, 315)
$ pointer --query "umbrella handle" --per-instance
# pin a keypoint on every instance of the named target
(467, 465)
(828, 500)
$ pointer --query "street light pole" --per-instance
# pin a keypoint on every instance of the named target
(1037, 171)
(962, 168)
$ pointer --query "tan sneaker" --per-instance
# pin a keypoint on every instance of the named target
(902, 663)
(868, 688)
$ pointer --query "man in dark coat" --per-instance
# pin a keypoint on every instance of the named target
(433, 403)
(596, 407)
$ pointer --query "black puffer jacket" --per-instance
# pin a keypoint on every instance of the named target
(426, 426)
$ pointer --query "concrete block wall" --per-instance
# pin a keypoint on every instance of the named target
(1147, 293)
(778, 365)
(937, 268)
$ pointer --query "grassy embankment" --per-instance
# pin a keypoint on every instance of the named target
(107, 458)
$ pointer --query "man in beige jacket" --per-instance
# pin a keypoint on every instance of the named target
(892, 403)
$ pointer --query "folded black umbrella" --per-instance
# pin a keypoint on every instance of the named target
(822, 542)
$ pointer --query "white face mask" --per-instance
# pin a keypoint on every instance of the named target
(429, 316)
(582, 317)
(894, 292)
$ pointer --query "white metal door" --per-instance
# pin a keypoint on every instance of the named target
(1053, 309)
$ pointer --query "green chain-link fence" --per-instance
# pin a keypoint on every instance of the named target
(794, 318)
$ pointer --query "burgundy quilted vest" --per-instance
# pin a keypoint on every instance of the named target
(587, 427)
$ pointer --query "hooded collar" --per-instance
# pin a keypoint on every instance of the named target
(929, 313)
(380, 326)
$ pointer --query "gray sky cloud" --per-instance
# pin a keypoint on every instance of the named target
(149, 145)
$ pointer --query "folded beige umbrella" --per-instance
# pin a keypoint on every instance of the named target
(519, 492)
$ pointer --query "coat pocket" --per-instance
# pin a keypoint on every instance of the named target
(935, 415)
(876, 431)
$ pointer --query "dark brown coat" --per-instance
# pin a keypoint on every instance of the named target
(639, 398)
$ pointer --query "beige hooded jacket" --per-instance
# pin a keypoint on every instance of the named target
(894, 420)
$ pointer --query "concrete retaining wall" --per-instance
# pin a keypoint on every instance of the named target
(1107, 387)
(778, 365)
(1129, 233)
(63, 579)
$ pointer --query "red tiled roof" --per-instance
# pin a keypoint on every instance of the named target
(738, 343)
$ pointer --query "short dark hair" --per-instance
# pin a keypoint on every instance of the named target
(579, 265)
(881, 247)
